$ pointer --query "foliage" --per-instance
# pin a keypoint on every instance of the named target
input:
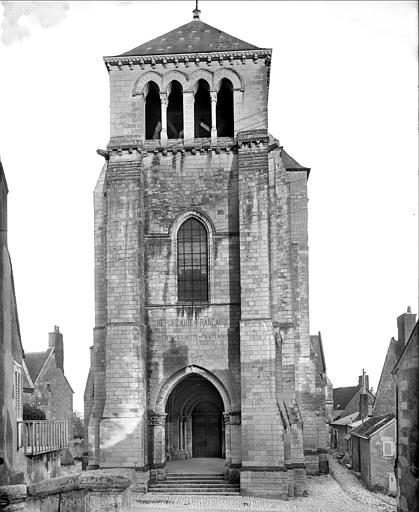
(78, 425)
(32, 413)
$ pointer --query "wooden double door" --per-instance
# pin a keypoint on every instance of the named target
(206, 434)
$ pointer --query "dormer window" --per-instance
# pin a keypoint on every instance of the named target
(152, 112)
(175, 111)
(202, 110)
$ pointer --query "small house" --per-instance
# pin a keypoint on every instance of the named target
(373, 452)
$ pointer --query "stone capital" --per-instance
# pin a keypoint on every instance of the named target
(163, 99)
(155, 420)
(213, 95)
(232, 418)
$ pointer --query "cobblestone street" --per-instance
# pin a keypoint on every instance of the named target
(341, 492)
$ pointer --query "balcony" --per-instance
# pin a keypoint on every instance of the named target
(43, 436)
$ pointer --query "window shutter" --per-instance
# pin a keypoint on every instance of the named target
(17, 391)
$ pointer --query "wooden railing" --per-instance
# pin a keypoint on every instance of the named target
(44, 436)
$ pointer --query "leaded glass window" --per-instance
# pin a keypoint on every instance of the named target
(192, 253)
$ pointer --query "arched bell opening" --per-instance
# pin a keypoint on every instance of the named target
(175, 111)
(194, 426)
(202, 110)
(225, 109)
(152, 112)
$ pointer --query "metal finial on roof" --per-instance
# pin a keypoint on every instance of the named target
(196, 11)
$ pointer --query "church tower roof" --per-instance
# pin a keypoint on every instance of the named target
(193, 37)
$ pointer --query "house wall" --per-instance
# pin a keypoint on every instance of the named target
(381, 466)
(356, 454)
(385, 397)
(341, 441)
(365, 460)
(407, 376)
(12, 461)
(54, 396)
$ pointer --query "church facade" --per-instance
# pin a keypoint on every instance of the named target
(201, 340)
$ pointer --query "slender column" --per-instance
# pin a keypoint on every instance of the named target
(213, 116)
(227, 434)
(188, 116)
(163, 134)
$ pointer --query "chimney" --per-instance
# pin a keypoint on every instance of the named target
(366, 379)
(405, 324)
(55, 340)
(363, 397)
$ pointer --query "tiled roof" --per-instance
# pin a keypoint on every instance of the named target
(290, 163)
(25, 382)
(194, 37)
(371, 425)
(342, 396)
(346, 420)
(35, 361)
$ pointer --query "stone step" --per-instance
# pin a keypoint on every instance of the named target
(182, 480)
(194, 475)
(194, 484)
(218, 492)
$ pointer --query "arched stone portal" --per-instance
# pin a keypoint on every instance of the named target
(194, 420)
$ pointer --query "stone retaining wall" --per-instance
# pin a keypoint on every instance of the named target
(93, 491)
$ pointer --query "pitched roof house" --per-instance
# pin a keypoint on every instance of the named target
(385, 397)
(373, 448)
(346, 399)
(51, 391)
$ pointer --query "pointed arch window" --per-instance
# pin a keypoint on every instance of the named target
(192, 264)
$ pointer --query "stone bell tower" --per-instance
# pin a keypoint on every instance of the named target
(201, 339)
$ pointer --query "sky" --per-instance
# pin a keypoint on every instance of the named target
(343, 101)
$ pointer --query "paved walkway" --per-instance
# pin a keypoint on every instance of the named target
(325, 495)
(355, 488)
(339, 493)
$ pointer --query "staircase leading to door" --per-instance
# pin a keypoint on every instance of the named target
(194, 483)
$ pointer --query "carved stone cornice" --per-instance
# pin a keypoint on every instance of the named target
(188, 59)
(144, 148)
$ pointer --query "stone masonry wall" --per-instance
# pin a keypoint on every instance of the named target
(249, 78)
(407, 375)
(204, 186)
(54, 396)
(122, 429)
(385, 398)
